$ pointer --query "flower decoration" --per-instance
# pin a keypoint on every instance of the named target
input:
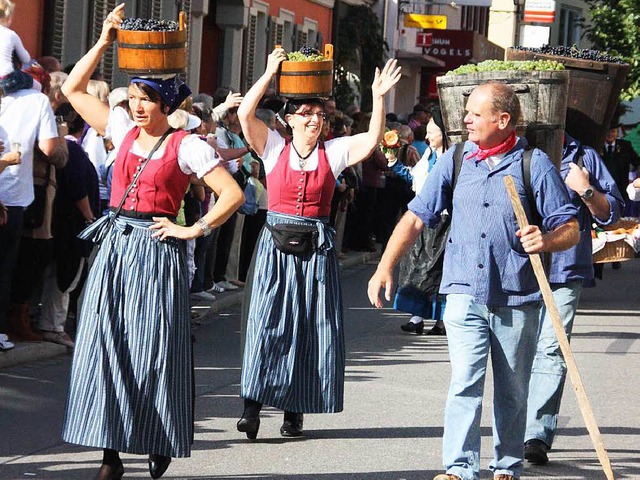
(390, 144)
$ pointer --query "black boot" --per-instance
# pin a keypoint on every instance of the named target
(112, 468)
(292, 425)
(249, 423)
(158, 464)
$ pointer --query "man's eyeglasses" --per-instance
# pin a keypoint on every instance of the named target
(308, 115)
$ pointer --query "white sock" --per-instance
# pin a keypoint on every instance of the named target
(416, 319)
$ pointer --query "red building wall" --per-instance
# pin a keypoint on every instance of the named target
(28, 24)
(304, 8)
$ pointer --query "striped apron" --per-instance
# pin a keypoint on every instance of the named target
(131, 378)
(294, 356)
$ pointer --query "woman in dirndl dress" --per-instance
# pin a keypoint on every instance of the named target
(294, 347)
(131, 378)
(421, 269)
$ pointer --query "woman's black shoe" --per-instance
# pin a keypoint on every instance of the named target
(158, 464)
(292, 425)
(110, 472)
(416, 328)
(250, 426)
(437, 330)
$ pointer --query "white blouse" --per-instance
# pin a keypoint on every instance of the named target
(194, 154)
(337, 151)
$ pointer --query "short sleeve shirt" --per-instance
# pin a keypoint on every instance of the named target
(337, 151)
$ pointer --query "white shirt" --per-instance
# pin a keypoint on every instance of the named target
(194, 155)
(337, 151)
(10, 42)
(25, 118)
(633, 192)
(93, 145)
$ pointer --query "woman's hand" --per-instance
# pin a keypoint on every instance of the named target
(111, 25)
(384, 80)
(232, 100)
(274, 60)
(165, 228)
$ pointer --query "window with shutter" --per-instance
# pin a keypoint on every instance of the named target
(250, 39)
(300, 36)
(101, 9)
(57, 41)
(276, 32)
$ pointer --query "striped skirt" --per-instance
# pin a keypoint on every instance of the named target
(131, 378)
(294, 348)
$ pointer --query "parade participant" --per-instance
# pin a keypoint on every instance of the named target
(493, 300)
(294, 349)
(417, 288)
(593, 191)
(131, 379)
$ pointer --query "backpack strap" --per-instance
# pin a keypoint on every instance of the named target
(580, 159)
(536, 219)
(457, 163)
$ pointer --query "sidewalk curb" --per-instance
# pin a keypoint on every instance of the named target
(33, 351)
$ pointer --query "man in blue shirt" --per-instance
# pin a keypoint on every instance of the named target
(493, 300)
(593, 191)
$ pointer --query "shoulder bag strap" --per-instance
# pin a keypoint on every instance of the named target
(137, 175)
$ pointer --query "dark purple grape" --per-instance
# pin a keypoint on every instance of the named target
(148, 25)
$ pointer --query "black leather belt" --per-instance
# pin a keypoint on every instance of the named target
(141, 215)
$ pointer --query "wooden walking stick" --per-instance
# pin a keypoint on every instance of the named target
(552, 309)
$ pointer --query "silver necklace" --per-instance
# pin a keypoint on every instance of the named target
(302, 161)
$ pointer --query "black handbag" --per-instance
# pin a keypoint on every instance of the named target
(294, 239)
(33, 216)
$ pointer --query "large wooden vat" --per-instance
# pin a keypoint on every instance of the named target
(594, 90)
(153, 53)
(543, 100)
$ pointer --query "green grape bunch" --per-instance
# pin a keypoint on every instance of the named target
(508, 65)
(305, 54)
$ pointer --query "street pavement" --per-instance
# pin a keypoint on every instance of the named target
(391, 427)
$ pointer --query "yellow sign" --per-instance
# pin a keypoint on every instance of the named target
(415, 20)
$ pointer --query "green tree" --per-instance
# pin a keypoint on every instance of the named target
(615, 27)
(359, 44)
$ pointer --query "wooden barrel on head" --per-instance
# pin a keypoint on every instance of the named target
(306, 79)
(543, 101)
(153, 53)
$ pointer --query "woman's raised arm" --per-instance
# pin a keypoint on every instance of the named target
(255, 131)
(94, 111)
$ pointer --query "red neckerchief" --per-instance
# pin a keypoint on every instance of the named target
(499, 149)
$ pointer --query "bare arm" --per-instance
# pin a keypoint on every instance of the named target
(55, 149)
(403, 236)
(563, 237)
(255, 130)
(230, 198)
(578, 180)
(362, 144)
(85, 209)
(92, 109)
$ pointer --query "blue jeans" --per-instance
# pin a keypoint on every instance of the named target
(473, 332)
(549, 368)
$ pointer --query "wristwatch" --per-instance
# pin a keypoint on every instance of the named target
(587, 194)
(204, 226)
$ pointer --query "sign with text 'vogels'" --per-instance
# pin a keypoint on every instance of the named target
(415, 20)
(540, 11)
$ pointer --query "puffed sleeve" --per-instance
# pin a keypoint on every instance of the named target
(197, 156)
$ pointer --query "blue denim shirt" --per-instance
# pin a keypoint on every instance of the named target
(576, 263)
(483, 256)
